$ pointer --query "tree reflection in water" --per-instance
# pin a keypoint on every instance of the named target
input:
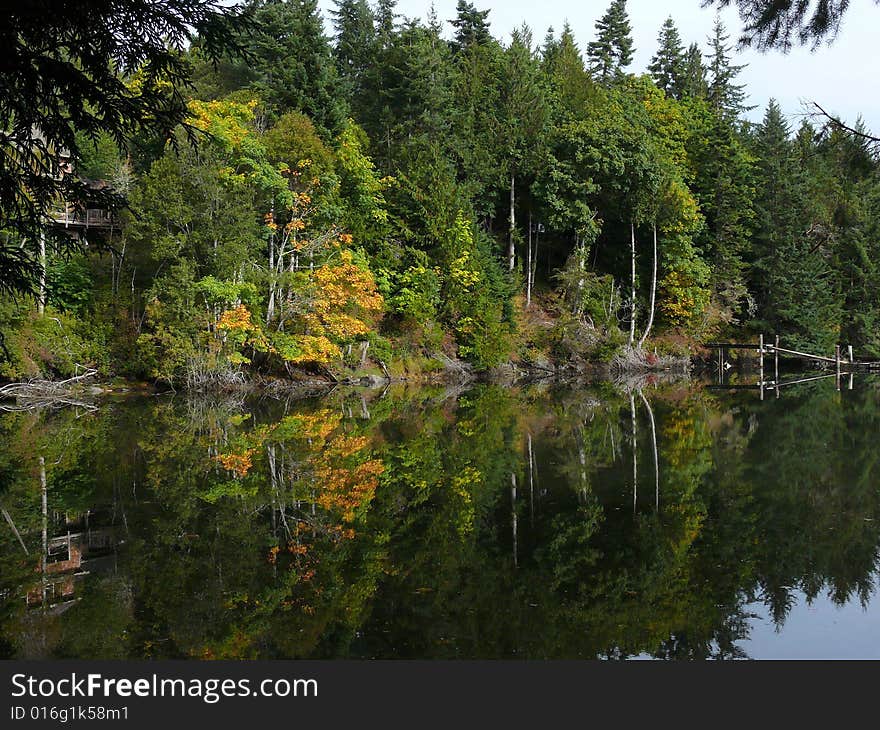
(541, 522)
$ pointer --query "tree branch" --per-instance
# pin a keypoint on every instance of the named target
(835, 122)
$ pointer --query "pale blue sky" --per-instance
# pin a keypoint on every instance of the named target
(843, 77)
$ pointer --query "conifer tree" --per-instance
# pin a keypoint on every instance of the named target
(667, 67)
(355, 49)
(471, 26)
(293, 59)
(694, 74)
(565, 70)
(725, 96)
(612, 50)
(524, 116)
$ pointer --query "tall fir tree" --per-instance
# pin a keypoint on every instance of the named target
(612, 50)
(571, 83)
(471, 26)
(524, 116)
(293, 59)
(667, 67)
(725, 96)
(694, 82)
(355, 51)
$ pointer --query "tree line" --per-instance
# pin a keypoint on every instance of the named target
(417, 186)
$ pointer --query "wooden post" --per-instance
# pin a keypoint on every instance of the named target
(761, 369)
(850, 353)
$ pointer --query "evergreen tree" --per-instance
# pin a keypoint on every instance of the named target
(724, 186)
(667, 67)
(550, 48)
(795, 284)
(355, 50)
(612, 50)
(725, 96)
(475, 144)
(694, 75)
(293, 59)
(565, 70)
(471, 26)
(524, 116)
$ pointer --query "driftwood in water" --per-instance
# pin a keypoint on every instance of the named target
(35, 394)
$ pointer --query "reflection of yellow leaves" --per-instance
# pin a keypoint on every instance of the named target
(239, 464)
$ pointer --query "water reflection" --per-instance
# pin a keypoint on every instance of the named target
(494, 522)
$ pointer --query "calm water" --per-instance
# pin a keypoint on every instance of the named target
(672, 521)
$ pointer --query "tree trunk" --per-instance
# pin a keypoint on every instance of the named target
(635, 443)
(653, 293)
(529, 265)
(41, 303)
(270, 307)
(535, 257)
(632, 315)
(511, 251)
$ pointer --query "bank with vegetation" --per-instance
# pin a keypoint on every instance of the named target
(401, 201)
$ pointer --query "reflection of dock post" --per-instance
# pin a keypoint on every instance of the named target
(776, 363)
(837, 363)
(761, 369)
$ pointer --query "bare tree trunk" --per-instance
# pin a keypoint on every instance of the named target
(632, 316)
(529, 265)
(632, 407)
(535, 257)
(511, 250)
(653, 293)
(531, 481)
(14, 530)
(270, 308)
(44, 503)
(513, 512)
(41, 303)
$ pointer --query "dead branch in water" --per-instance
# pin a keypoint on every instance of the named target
(35, 394)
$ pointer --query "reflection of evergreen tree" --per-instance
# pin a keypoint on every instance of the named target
(416, 524)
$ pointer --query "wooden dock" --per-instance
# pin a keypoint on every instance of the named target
(848, 364)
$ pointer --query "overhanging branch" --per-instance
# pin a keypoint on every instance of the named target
(835, 122)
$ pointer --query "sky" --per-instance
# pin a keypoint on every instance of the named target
(843, 77)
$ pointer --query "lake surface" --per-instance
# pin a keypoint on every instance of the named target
(667, 521)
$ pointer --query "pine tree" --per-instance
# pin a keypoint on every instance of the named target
(293, 59)
(471, 26)
(667, 67)
(550, 48)
(355, 49)
(694, 75)
(565, 69)
(612, 50)
(725, 96)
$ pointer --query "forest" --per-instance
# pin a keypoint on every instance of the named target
(411, 195)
